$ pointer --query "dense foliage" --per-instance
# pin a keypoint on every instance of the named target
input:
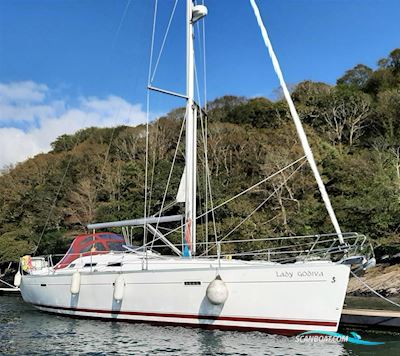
(98, 174)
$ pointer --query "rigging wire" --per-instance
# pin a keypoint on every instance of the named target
(253, 186)
(119, 27)
(150, 80)
(245, 191)
(260, 205)
(164, 40)
(166, 207)
(106, 156)
(170, 171)
(203, 130)
(119, 109)
(153, 168)
(373, 290)
(148, 120)
(200, 205)
(53, 205)
(208, 178)
(151, 76)
(117, 32)
(120, 24)
(203, 24)
(205, 225)
(77, 141)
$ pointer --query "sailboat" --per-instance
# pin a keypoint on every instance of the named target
(294, 288)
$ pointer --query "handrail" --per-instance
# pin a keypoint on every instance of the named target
(306, 247)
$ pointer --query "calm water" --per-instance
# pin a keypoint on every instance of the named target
(26, 331)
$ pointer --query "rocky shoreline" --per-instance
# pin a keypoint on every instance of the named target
(384, 278)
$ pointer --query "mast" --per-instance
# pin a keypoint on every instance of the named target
(193, 14)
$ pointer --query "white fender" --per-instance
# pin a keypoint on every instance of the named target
(75, 282)
(370, 263)
(217, 291)
(119, 286)
(17, 279)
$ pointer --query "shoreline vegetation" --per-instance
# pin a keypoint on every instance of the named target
(97, 174)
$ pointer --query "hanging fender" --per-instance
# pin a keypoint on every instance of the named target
(119, 287)
(217, 291)
(17, 279)
(75, 282)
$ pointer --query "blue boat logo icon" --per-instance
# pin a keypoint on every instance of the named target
(331, 337)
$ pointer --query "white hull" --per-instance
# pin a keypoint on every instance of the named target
(276, 298)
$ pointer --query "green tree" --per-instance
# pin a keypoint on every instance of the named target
(356, 77)
(258, 112)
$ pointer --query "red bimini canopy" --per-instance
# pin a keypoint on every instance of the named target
(92, 244)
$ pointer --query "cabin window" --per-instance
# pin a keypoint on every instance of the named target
(99, 247)
(114, 264)
(86, 240)
(111, 237)
(72, 265)
(115, 246)
(86, 249)
(90, 264)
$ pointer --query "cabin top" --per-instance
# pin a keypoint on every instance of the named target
(92, 244)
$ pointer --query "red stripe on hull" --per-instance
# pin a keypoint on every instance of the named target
(197, 317)
(284, 332)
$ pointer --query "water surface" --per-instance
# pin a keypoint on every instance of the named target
(27, 331)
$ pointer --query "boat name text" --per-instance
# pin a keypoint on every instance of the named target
(305, 273)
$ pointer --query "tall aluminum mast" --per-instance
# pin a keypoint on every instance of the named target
(193, 14)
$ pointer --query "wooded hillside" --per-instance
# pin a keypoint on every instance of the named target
(98, 174)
